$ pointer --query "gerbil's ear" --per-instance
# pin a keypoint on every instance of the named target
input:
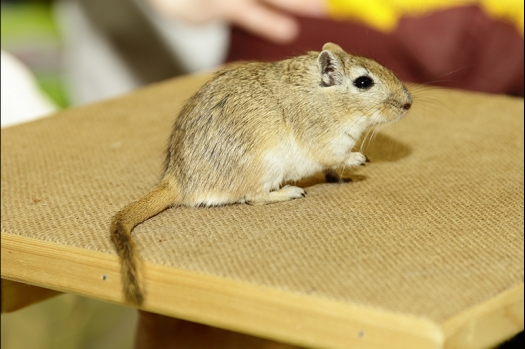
(330, 46)
(330, 68)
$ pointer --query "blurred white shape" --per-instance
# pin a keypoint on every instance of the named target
(95, 71)
(22, 99)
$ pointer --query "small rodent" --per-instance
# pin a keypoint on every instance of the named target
(253, 127)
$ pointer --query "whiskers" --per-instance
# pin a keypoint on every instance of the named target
(427, 98)
(425, 94)
(440, 79)
(369, 137)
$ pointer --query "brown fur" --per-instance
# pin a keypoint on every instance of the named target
(124, 221)
(254, 126)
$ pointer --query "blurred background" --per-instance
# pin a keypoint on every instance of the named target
(62, 53)
(81, 51)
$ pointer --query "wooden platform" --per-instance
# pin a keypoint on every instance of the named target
(423, 249)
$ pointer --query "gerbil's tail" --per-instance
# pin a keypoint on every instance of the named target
(166, 194)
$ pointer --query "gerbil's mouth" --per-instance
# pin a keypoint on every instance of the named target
(400, 115)
(391, 117)
(395, 110)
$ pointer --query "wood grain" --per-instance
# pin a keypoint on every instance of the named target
(224, 303)
(487, 324)
(261, 311)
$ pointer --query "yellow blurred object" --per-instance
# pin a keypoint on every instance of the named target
(384, 15)
(508, 10)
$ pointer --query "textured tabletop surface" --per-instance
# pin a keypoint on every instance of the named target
(431, 227)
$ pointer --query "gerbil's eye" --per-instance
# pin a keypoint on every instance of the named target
(363, 82)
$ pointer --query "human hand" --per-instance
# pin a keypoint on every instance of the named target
(267, 18)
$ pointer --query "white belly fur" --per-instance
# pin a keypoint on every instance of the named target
(287, 162)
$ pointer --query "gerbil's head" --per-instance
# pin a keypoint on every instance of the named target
(362, 86)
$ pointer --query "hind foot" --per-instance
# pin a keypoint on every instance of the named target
(286, 193)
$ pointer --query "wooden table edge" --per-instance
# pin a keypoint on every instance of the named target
(234, 305)
(489, 323)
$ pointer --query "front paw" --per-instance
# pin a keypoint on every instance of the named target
(356, 159)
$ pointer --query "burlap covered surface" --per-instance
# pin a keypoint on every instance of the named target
(432, 226)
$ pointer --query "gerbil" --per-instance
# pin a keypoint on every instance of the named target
(256, 125)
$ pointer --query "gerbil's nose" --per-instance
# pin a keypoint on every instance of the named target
(407, 106)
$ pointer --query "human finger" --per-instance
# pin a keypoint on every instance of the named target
(263, 21)
(314, 8)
